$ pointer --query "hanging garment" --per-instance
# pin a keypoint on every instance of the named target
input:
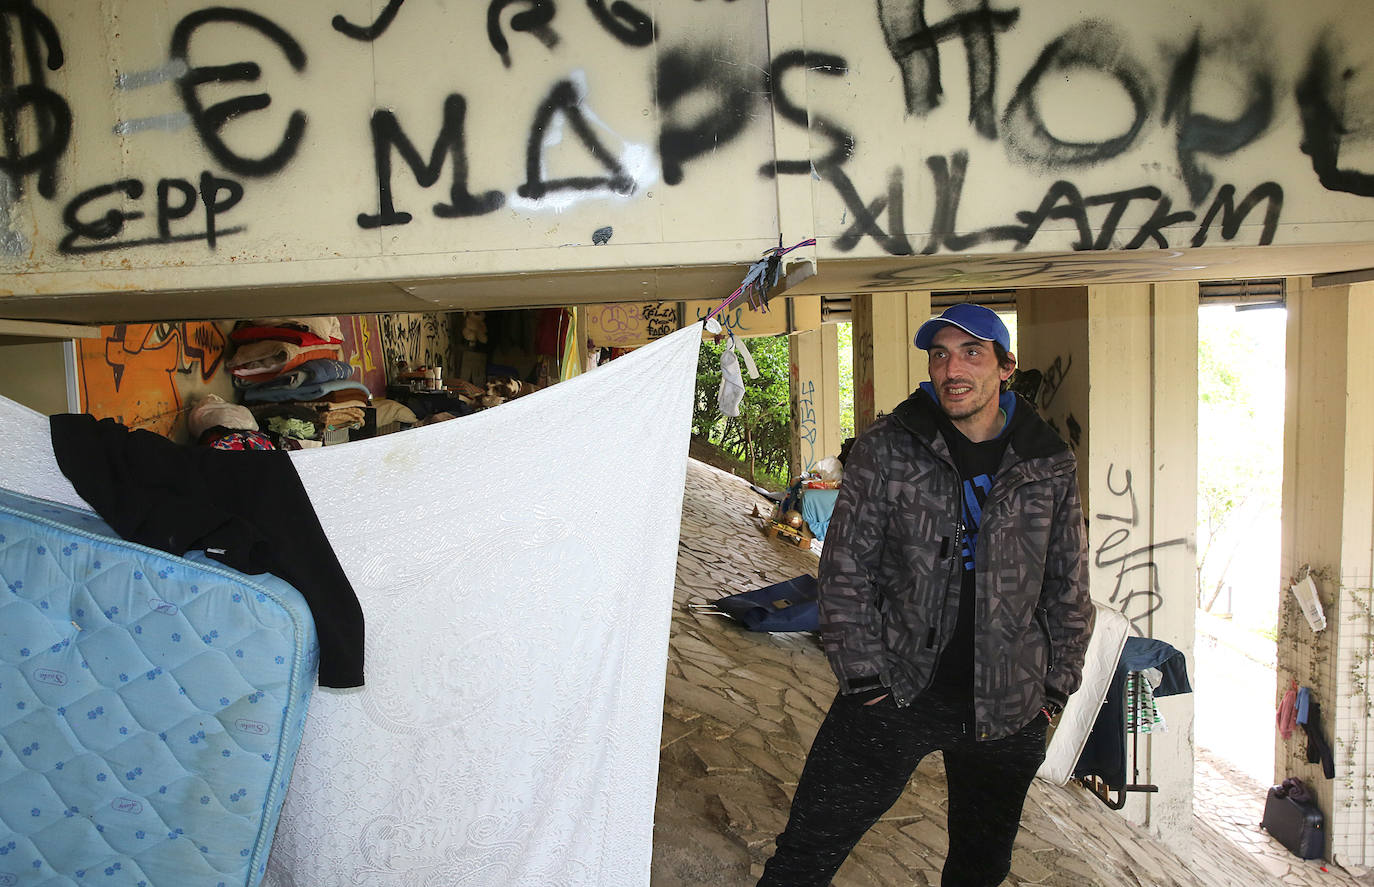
(1286, 718)
(518, 613)
(731, 381)
(1318, 749)
(246, 509)
(1104, 754)
(1142, 714)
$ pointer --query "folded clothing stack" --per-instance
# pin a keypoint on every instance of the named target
(291, 371)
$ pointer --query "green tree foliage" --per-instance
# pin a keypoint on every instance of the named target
(759, 435)
(846, 350)
(1240, 440)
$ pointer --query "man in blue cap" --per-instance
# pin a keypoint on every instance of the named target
(954, 612)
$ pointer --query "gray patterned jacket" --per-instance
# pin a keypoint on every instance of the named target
(890, 573)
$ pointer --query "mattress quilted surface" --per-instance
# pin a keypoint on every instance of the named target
(151, 707)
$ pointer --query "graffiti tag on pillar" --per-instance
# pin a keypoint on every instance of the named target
(1136, 591)
(661, 318)
(806, 423)
(1054, 377)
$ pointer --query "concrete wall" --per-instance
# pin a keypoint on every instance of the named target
(1328, 526)
(179, 145)
(35, 374)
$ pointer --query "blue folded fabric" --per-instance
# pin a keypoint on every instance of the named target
(312, 372)
(305, 392)
(816, 508)
(785, 606)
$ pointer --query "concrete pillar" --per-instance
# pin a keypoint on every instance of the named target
(815, 389)
(1328, 525)
(1120, 366)
(887, 367)
(1052, 338)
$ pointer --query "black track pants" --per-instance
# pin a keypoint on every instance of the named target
(858, 767)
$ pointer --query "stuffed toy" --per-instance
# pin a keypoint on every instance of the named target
(475, 327)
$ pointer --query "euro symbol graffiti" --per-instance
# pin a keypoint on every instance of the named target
(209, 121)
(38, 149)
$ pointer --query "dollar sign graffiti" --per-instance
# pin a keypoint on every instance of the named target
(36, 150)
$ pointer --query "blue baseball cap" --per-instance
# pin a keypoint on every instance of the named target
(973, 319)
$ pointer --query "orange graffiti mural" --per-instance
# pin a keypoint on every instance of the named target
(142, 374)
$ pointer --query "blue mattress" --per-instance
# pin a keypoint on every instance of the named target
(151, 707)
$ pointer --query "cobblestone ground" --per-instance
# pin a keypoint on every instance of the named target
(741, 709)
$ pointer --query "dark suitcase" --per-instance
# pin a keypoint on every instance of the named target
(1293, 819)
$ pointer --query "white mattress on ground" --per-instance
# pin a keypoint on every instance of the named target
(1104, 651)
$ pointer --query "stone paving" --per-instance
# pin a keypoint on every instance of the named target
(741, 709)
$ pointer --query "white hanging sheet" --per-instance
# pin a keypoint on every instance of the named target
(515, 569)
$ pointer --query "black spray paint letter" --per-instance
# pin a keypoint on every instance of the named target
(949, 190)
(218, 196)
(372, 31)
(626, 23)
(52, 118)
(1204, 134)
(563, 99)
(841, 141)
(1090, 44)
(209, 121)
(534, 20)
(450, 144)
(1232, 216)
(105, 227)
(686, 72)
(166, 211)
(1322, 99)
(914, 46)
(866, 214)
